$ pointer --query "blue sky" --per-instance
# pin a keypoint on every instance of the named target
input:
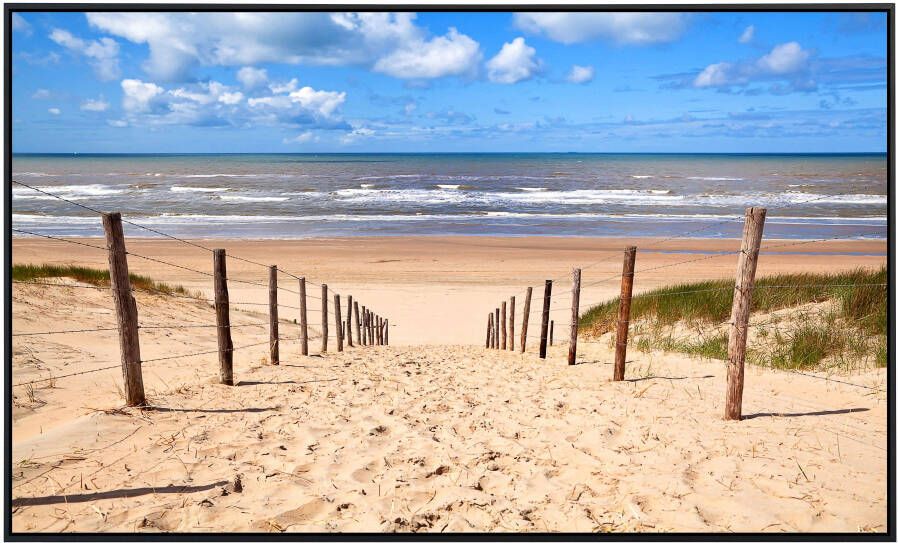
(342, 82)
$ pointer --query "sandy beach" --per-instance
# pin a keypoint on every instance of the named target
(432, 433)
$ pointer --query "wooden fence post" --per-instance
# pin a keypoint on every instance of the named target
(358, 326)
(511, 325)
(623, 314)
(489, 330)
(386, 331)
(349, 321)
(745, 282)
(575, 318)
(380, 330)
(223, 318)
(274, 351)
(552, 332)
(526, 319)
(323, 318)
(496, 328)
(371, 328)
(125, 309)
(338, 319)
(364, 325)
(504, 329)
(303, 318)
(544, 329)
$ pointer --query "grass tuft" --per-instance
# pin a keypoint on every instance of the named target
(852, 332)
(92, 276)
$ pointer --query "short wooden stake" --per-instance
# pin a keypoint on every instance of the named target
(125, 309)
(348, 333)
(623, 314)
(745, 282)
(544, 329)
(223, 318)
(551, 332)
(358, 325)
(303, 318)
(371, 328)
(575, 318)
(504, 329)
(274, 351)
(489, 330)
(386, 331)
(338, 320)
(526, 319)
(496, 329)
(511, 325)
(323, 318)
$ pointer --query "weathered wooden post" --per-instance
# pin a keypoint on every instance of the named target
(358, 325)
(371, 328)
(380, 330)
(544, 329)
(125, 309)
(551, 332)
(338, 319)
(489, 330)
(575, 318)
(386, 331)
(323, 318)
(511, 325)
(223, 318)
(349, 321)
(526, 319)
(303, 318)
(504, 329)
(496, 328)
(274, 351)
(745, 282)
(623, 314)
(364, 325)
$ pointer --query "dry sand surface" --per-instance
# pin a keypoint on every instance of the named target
(433, 438)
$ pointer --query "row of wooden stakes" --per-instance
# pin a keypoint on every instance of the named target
(497, 337)
(370, 328)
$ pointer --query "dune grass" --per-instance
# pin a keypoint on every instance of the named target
(851, 328)
(93, 276)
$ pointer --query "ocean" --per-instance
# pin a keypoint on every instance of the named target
(542, 194)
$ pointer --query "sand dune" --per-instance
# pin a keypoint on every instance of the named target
(424, 438)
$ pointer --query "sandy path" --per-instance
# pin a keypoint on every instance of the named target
(460, 438)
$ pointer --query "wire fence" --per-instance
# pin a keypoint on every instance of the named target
(563, 302)
(375, 331)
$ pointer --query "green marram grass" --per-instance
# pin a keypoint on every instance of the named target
(852, 330)
(93, 276)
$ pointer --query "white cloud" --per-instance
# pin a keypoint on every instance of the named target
(118, 123)
(252, 78)
(452, 54)
(581, 74)
(304, 137)
(715, 75)
(54, 111)
(41, 94)
(230, 98)
(748, 34)
(515, 62)
(284, 88)
(180, 41)
(19, 24)
(785, 61)
(138, 95)
(322, 102)
(102, 53)
(784, 58)
(357, 133)
(620, 27)
(94, 105)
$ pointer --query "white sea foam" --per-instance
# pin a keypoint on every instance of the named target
(449, 187)
(700, 178)
(255, 198)
(177, 188)
(71, 192)
(533, 189)
(642, 176)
